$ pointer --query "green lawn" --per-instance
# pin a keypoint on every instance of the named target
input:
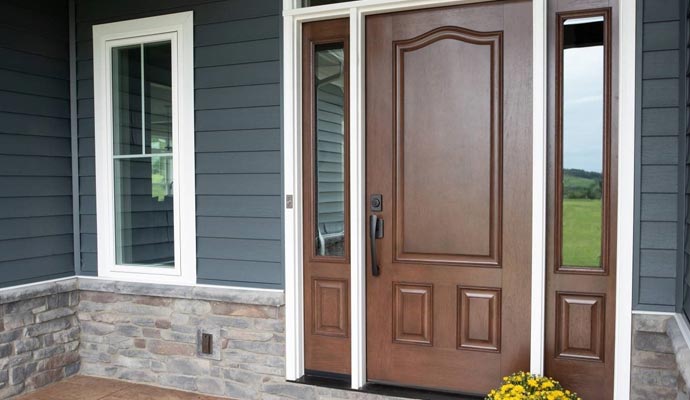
(581, 232)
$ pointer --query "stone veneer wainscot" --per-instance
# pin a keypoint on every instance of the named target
(39, 336)
(148, 333)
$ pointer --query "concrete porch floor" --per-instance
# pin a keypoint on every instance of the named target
(89, 388)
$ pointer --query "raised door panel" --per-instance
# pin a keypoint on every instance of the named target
(448, 147)
(479, 319)
(330, 307)
(580, 326)
(413, 313)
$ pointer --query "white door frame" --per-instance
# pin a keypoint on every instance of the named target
(293, 18)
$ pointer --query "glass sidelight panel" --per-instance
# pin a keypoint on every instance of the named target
(583, 136)
(143, 154)
(329, 149)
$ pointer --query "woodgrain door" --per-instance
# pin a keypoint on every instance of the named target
(325, 181)
(448, 149)
(581, 246)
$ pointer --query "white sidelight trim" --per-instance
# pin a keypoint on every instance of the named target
(292, 182)
(626, 199)
(539, 127)
(358, 252)
(179, 30)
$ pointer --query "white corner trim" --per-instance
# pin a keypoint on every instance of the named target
(626, 199)
(179, 30)
(539, 124)
(684, 327)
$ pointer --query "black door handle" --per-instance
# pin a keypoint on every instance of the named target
(373, 233)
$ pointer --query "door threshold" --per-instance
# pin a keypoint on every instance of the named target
(342, 382)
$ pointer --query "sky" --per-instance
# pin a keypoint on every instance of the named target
(583, 85)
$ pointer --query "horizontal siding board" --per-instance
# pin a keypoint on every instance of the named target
(21, 82)
(661, 36)
(33, 105)
(238, 97)
(660, 179)
(27, 186)
(30, 166)
(236, 31)
(14, 144)
(658, 235)
(37, 268)
(238, 206)
(658, 291)
(20, 228)
(32, 43)
(21, 249)
(659, 207)
(34, 125)
(238, 141)
(238, 118)
(660, 64)
(660, 150)
(85, 108)
(235, 75)
(237, 53)
(239, 162)
(660, 10)
(22, 16)
(239, 228)
(240, 249)
(658, 263)
(238, 184)
(660, 93)
(89, 263)
(26, 207)
(660, 121)
(233, 271)
(17, 60)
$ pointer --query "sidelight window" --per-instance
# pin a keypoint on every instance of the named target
(582, 140)
(329, 157)
(145, 148)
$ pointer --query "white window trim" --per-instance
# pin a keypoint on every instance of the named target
(293, 17)
(179, 29)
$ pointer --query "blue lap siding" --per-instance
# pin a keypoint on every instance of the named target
(35, 167)
(660, 137)
(238, 134)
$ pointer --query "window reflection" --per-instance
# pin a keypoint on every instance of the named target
(143, 160)
(329, 95)
(582, 141)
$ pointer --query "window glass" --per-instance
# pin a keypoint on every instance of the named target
(330, 149)
(311, 3)
(127, 100)
(143, 160)
(582, 141)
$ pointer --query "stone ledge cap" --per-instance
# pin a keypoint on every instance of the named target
(32, 290)
(225, 294)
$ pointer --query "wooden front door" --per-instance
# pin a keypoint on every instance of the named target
(448, 171)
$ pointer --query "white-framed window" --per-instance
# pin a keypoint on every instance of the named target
(144, 138)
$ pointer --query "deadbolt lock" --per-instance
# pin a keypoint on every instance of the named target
(376, 203)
